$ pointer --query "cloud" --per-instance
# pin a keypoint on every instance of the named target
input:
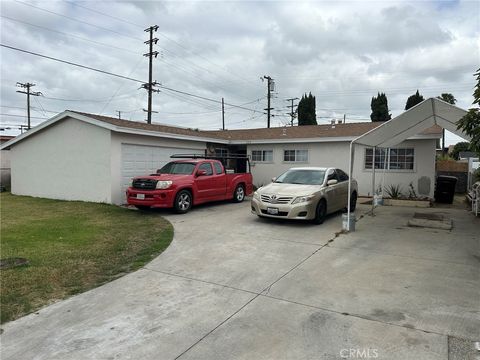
(343, 52)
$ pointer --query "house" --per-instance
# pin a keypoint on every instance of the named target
(80, 156)
(5, 163)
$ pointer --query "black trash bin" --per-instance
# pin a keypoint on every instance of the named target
(445, 189)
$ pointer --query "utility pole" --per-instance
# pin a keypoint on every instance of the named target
(270, 89)
(223, 114)
(38, 93)
(149, 86)
(292, 113)
(119, 114)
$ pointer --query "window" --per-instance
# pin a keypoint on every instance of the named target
(207, 167)
(221, 152)
(295, 155)
(390, 159)
(380, 158)
(262, 155)
(218, 168)
(341, 175)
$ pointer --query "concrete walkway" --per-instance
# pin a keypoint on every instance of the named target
(232, 286)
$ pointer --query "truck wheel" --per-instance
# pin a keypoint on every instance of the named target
(239, 194)
(321, 212)
(183, 202)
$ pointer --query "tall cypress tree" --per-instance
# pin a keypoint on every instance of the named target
(379, 106)
(307, 110)
(414, 100)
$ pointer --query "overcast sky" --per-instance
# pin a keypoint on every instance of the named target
(343, 52)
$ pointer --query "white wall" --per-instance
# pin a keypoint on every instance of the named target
(69, 160)
(424, 166)
(336, 154)
(117, 190)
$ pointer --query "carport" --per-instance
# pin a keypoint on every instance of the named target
(424, 115)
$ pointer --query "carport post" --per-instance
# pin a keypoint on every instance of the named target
(373, 178)
(349, 185)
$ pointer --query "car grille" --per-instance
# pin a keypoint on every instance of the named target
(144, 184)
(273, 199)
(280, 213)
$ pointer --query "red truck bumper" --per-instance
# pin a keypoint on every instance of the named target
(152, 198)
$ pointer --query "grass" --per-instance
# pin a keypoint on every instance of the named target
(71, 247)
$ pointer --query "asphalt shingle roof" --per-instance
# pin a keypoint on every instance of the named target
(291, 132)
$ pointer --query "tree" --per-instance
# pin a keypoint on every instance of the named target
(306, 110)
(414, 100)
(379, 106)
(461, 146)
(447, 97)
(470, 123)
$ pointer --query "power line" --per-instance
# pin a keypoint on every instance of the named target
(71, 63)
(69, 35)
(22, 116)
(169, 39)
(77, 20)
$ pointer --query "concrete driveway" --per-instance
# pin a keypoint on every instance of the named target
(232, 286)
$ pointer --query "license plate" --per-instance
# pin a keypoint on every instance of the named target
(272, 211)
(141, 196)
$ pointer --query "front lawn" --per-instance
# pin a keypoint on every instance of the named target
(71, 247)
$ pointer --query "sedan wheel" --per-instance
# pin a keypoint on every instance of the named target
(321, 212)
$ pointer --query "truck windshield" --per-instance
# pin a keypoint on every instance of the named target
(304, 177)
(179, 168)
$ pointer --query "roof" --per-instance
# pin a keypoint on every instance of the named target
(309, 133)
(5, 138)
(422, 117)
(143, 126)
(344, 130)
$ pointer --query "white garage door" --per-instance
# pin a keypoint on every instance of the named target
(140, 160)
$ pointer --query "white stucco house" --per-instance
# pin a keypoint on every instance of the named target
(80, 156)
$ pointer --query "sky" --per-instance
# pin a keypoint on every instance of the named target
(343, 52)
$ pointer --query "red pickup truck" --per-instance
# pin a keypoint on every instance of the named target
(183, 183)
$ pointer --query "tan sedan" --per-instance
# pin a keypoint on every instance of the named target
(307, 193)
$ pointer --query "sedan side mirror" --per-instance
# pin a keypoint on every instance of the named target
(201, 173)
(274, 179)
(332, 182)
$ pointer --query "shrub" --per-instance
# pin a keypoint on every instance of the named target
(393, 191)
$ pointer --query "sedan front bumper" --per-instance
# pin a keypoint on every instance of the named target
(302, 211)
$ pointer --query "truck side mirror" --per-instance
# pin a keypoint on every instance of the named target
(201, 172)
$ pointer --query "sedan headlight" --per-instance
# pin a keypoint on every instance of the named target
(256, 195)
(302, 199)
(164, 184)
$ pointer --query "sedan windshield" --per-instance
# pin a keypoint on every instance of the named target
(179, 168)
(304, 177)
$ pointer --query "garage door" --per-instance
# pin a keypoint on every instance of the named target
(140, 160)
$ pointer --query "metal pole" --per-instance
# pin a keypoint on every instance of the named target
(223, 114)
(349, 185)
(373, 178)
